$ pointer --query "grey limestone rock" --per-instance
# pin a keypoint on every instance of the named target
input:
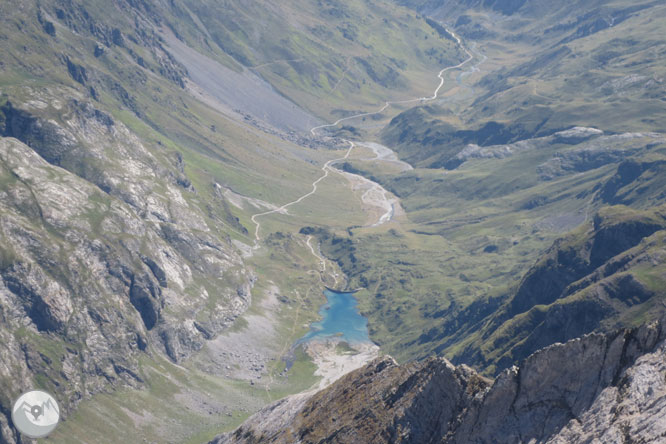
(101, 258)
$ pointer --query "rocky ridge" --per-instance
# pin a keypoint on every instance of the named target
(604, 387)
(600, 277)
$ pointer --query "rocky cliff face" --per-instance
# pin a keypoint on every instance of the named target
(611, 388)
(106, 254)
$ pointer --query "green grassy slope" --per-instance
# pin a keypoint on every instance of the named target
(327, 56)
(93, 88)
(558, 70)
(499, 177)
(470, 236)
(442, 278)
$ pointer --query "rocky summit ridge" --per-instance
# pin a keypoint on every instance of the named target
(608, 388)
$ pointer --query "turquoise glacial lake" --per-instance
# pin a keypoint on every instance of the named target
(340, 319)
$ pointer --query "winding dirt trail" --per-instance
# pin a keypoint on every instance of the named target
(344, 75)
(330, 365)
(276, 62)
(328, 166)
(387, 104)
(376, 195)
(326, 169)
(322, 262)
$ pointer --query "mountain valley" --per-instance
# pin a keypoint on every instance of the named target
(181, 182)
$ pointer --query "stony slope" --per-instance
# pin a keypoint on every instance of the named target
(604, 387)
(328, 56)
(90, 281)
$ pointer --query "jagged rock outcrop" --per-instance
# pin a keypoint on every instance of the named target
(608, 387)
(348, 410)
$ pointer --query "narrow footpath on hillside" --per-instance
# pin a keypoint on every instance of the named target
(330, 364)
(382, 153)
